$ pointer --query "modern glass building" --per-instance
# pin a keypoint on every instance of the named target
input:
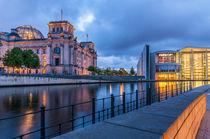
(185, 64)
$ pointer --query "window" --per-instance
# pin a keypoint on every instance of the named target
(61, 29)
(44, 57)
(36, 71)
(44, 63)
(57, 61)
(57, 29)
(57, 50)
(37, 51)
(44, 51)
(43, 71)
(53, 29)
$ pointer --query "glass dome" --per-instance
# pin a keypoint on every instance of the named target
(29, 33)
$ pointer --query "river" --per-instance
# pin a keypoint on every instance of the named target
(20, 100)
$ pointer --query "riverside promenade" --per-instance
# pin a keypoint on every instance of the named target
(204, 130)
(178, 117)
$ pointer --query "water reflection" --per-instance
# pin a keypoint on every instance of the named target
(20, 100)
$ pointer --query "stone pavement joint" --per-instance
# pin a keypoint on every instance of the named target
(134, 128)
(204, 130)
(149, 122)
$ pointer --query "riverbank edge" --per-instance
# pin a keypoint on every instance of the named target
(94, 82)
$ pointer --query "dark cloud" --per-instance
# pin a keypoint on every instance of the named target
(119, 28)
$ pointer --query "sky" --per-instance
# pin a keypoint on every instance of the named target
(119, 28)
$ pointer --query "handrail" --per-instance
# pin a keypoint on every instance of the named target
(128, 104)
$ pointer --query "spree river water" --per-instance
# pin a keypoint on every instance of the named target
(20, 100)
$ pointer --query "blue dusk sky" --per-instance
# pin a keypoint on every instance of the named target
(119, 28)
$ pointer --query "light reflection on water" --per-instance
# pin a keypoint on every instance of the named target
(19, 100)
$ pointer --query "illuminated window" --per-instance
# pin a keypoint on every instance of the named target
(44, 57)
(167, 58)
(44, 63)
(2, 65)
(43, 71)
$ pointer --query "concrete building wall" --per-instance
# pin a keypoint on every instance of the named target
(143, 66)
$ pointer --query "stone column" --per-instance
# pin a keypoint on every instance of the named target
(62, 53)
(66, 54)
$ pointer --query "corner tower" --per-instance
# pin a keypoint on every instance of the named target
(61, 29)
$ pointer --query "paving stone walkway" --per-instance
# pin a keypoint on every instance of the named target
(149, 122)
(204, 130)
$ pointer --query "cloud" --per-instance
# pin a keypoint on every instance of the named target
(117, 61)
(119, 29)
(84, 21)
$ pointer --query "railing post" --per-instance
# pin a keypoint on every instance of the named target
(190, 85)
(177, 89)
(42, 108)
(148, 95)
(103, 108)
(112, 105)
(137, 99)
(93, 109)
(180, 87)
(123, 102)
(72, 117)
(166, 92)
(187, 87)
(158, 93)
(172, 91)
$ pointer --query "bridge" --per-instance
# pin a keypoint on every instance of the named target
(183, 116)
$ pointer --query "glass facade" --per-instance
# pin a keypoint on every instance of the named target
(29, 33)
(167, 66)
(195, 63)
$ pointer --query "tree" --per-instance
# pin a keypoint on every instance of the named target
(35, 61)
(13, 58)
(27, 55)
(108, 71)
(31, 60)
(16, 58)
(123, 71)
(92, 68)
(132, 72)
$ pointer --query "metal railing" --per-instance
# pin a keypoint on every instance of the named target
(126, 102)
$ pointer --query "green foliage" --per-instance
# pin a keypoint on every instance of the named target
(31, 60)
(108, 71)
(7, 59)
(123, 71)
(92, 69)
(17, 58)
(35, 61)
(13, 58)
(132, 72)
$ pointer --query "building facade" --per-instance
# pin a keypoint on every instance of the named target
(185, 64)
(59, 53)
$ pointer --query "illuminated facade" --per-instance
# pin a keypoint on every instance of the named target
(59, 53)
(185, 64)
